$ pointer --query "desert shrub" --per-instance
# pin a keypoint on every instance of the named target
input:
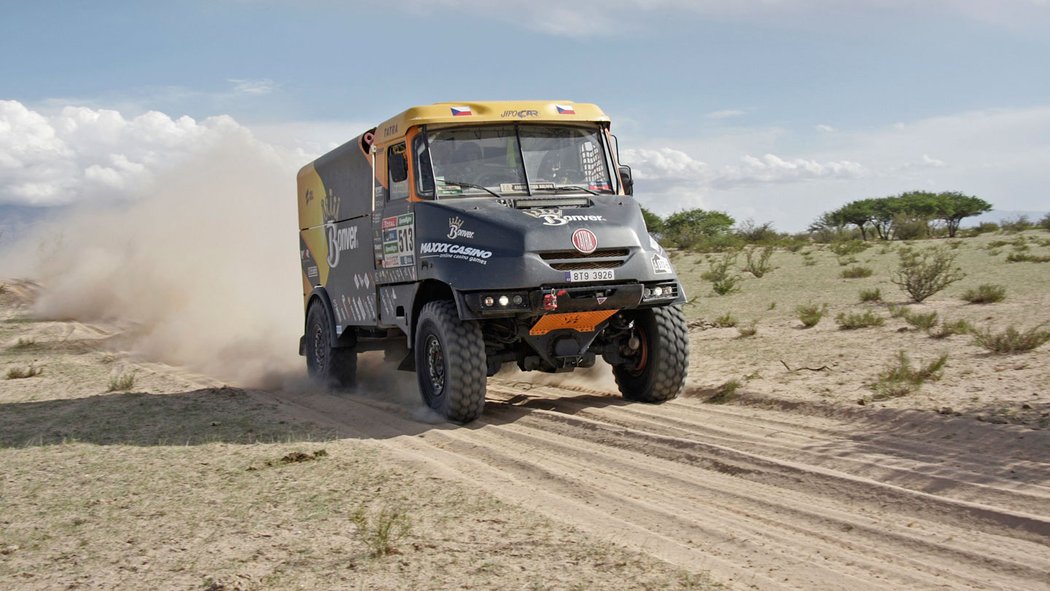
(900, 378)
(727, 392)
(1020, 257)
(986, 293)
(919, 320)
(3, 288)
(849, 247)
(855, 320)
(871, 295)
(954, 244)
(986, 227)
(947, 329)
(857, 272)
(810, 314)
(719, 273)
(748, 330)
(997, 244)
(1044, 222)
(381, 530)
(808, 260)
(17, 373)
(726, 320)
(121, 382)
(757, 233)
(896, 311)
(924, 273)
(1011, 340)
(1017, 224)
(23, 344)
(758, 260)
(794, 243)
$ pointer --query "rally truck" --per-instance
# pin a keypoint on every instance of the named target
(471, 235)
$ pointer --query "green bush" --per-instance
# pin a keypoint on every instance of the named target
(901, 378)
(921, 321)
(855, 320)
(726, 320)
(719, 274)
(857, 272)
(870, 295)
(122, 382)
(758, 260)
(810, 314)
(922, 274)
(986, 293)
(947, 329)
(1020, 257)
(1011, 340)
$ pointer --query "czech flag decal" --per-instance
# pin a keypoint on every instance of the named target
(461, 111)
(565, 109)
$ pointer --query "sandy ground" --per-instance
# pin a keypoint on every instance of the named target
(787, 483)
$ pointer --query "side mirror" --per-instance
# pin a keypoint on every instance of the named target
(628, 181)
(398, 167)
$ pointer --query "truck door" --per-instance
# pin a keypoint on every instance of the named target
(395, 240)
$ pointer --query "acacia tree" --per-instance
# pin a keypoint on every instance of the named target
(955, 206)
(685, 228)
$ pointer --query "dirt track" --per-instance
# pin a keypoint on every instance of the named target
(762, 498)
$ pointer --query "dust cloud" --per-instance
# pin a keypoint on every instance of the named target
(201, 271)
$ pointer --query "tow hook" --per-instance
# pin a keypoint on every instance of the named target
(550, 301)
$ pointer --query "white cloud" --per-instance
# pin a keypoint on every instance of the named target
(824, 128)
(998, 154)
(608, 17)
(725, 114)
(255, 87)
(78, 153)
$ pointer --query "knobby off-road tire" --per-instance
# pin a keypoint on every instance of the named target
(450, 362)
(334, 367)
(659, 373)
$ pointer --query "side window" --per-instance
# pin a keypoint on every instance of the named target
(397, 166)
(425, 170)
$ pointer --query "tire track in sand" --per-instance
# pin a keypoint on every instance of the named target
(760, 498)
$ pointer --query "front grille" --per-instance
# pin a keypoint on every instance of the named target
(575, 254)
(574, 260)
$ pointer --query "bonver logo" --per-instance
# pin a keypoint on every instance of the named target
(555, 217)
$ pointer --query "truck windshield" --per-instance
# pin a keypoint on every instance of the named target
(489, 159)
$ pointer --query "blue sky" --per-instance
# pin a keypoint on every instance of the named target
(771, 110)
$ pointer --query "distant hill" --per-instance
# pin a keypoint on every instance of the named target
(998, 215)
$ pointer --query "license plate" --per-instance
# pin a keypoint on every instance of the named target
(590, 275)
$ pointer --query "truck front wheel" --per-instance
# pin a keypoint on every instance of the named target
(656, 365)
(450, 362)
(332, 366)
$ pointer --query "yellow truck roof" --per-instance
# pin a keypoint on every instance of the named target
(489, 112)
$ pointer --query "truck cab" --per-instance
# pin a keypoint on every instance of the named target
(471, 235)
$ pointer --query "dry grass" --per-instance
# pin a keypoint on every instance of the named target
(986, 293)
(1011, 340)
(901, 378)
(870, 295)
(726, 320)
(857, 272)
(810, 314)
(18, 373)
(919, 320)
(121, 382)
(857, 320)
(947, 329)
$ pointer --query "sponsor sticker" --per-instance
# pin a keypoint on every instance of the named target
(399, 242)
(447, 250)
(555, 217)
(520, 114)
(455, 229)
(340, 240)
(584, 241)
(661, 264)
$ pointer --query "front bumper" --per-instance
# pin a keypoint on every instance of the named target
(568, 298)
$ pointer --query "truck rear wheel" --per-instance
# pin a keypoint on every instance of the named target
(332, 366)
(450, 362)
(656, 370)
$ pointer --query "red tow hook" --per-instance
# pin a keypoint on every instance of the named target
(550, 300)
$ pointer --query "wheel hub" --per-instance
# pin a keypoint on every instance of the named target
(435, 359)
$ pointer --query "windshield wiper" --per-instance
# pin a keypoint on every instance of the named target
(470, 186)
(569, 187)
